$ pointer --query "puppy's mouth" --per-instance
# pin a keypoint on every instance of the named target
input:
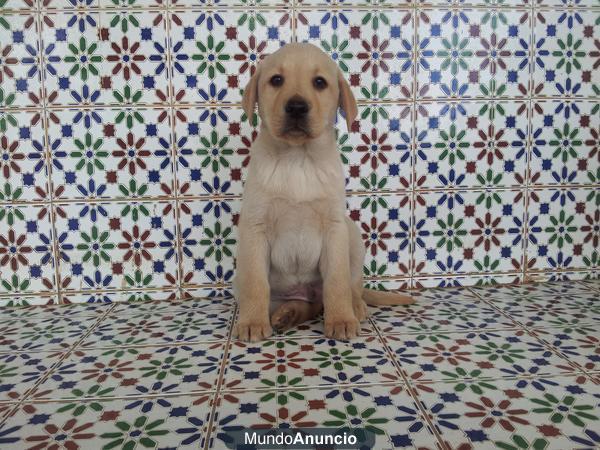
(296, 129)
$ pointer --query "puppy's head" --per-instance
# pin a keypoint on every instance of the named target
(298, 90)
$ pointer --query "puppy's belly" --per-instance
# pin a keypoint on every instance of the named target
(295, 254)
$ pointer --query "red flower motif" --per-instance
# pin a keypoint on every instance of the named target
(490, 145)
(592, 228)
(375, 55)
(281, 361)
(131, 153)
(65, 436)
(374, 148)
(137, 245)
(12, 250)
(114, 369)
(374, 235)
(487, 231)
(452, 354)
(251, 54)
(5, 61)
(9, 156)
(500, 414)
(125, 58)
(493, 53)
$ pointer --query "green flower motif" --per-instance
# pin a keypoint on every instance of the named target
(218, 242)
(283, 397)
(345, 147)
(454, 53)
(450, 233)
(489, 197)
(354, 418)
(95, 246)
(14, 286)
(489, 179)
(519, 442)
(6, 118)
(211, 57)
(337, 50)
(592, 262)
(560, 229)
(565, 408)
(214, 151)
(124, 18)
(136, 209)
(252, 17)
(9, 212)
(79, 408)
(128, 115)
(3, 21)
(83, 59)
(471, 380)
(373, 17)
(566, 142)
(375, 111)
(452, 145)
(372, 270)
(487, 265)
(494, 16)
(373, 183)
(333, 357)
(37, 332)
(568, 54)
(505, 352)
(123, 349)
(88, 154)
(129, 435)
(7, 372)
(138, 280)
(161, 369)
(492, 108)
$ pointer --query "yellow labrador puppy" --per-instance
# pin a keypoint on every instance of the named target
(298, 253)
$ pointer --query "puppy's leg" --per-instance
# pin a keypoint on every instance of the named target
(340, 320)
(252, 285)
(289, 313)
(357, 258)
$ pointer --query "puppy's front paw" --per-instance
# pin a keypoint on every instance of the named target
(360, 310)
(252, 331)
(341, 328)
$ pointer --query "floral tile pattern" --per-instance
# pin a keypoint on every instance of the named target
(460, 368)
(474, 159)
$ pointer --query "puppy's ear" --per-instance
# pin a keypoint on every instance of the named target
(250, 97)
(347, 101)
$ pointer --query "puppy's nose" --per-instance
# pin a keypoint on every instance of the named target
(296, 108)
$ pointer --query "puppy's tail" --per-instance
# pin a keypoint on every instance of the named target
(385, 298)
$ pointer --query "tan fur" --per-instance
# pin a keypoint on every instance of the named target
(293, 228)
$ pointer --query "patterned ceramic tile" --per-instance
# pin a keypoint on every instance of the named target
(468, 231)
(501, 353)
(387, 411)
(215, 52)
(471, 145)
(43, 334)
(127, 423)
(473, 53)
(579, 343)
(164, 328)
(20, 372)
(130, 371)
(127, 245)
(373, 48)
(562, 228)
(108, 153)
(550, 413)
(565, 60)
(298, 362)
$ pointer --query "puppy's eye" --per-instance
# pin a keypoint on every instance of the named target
(276, 80)
(320, 83)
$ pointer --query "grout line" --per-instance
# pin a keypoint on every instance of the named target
(529, 331)
(410, 388)
(220, 379)
(413, 163)
(56, 364)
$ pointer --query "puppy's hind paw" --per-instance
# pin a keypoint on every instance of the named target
(284, 318)
(252, 331)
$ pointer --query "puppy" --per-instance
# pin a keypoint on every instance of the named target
(296, 245)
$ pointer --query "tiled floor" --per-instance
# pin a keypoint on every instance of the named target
(507, 367)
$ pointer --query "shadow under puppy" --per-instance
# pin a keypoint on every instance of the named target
(298, 253)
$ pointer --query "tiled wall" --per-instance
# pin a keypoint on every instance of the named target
(123, 145)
